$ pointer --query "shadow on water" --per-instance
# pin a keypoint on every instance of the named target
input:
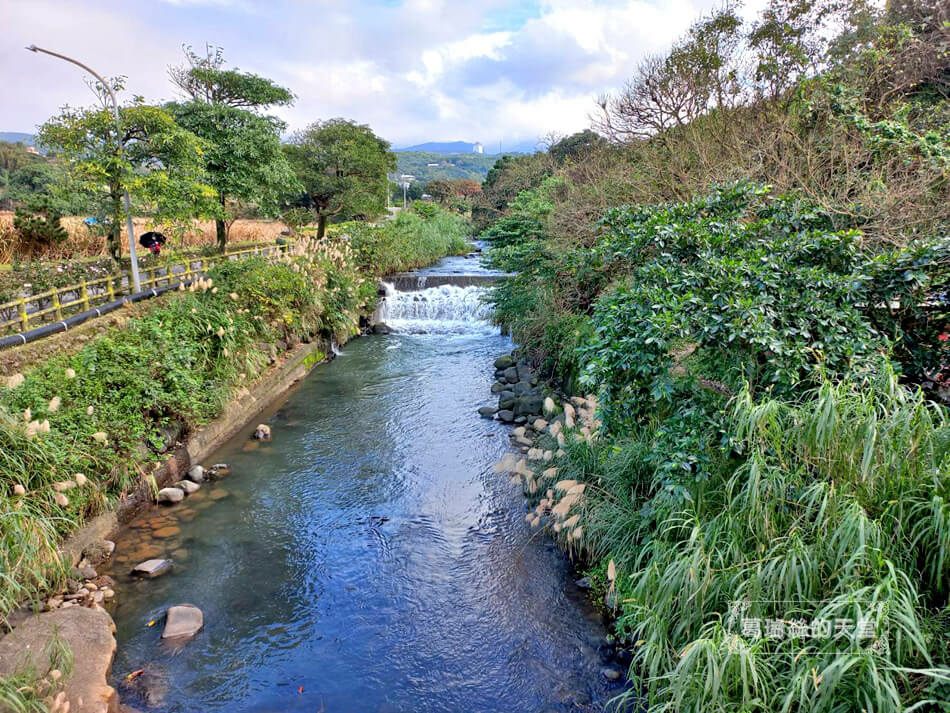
(367, 559)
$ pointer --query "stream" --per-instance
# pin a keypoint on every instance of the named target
(367, 559)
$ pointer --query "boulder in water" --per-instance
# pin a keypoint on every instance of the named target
(196, 474)
(169, 496)
(380, 328)
(506, 416)
(152, 568)
(497, 387)
(262, 432)
(503, 362)
(187, 486)
(487, 411)
(182, 621)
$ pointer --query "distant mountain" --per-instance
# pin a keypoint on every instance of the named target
(17, 137)
(460, 147)
(441, 147)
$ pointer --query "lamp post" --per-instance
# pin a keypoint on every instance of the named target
(136, 283)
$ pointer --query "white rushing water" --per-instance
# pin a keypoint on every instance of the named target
(446, 309)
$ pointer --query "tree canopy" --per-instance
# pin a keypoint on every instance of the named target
(160, 165)
(243, 159)
(343, 167)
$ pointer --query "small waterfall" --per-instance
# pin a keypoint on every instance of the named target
(446, 309)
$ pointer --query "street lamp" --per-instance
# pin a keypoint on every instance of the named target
(136, 283)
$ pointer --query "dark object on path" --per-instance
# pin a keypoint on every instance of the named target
(152, 241)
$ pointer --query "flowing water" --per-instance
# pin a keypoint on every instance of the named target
(368, 558)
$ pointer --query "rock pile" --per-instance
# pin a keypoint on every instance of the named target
(84, 586)
(521, 395)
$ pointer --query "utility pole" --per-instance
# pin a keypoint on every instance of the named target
(136, 282)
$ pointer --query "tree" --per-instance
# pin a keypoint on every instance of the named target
(160, 164)
(243, 157)
(576, 145)
(440, 189)
(700, 73)
(342, 166)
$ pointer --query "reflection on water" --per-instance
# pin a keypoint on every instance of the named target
(367, 559)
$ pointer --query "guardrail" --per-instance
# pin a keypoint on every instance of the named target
(55, 304)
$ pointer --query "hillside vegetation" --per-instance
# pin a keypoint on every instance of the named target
(748, 276)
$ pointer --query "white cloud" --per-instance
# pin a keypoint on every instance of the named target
(420, 70)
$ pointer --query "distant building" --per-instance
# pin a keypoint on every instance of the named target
(478, 148)
(31, 149)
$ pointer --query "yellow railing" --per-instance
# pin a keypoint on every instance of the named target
(58, 303)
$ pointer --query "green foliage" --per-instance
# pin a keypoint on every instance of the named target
(757, 450)
(243, 158)
(40, 228)
(412, 239)
(576, 146)
(471, 166)
(343, 167)
(160, 165)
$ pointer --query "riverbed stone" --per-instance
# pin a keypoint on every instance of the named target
(187, 486)
(196, 474)
(487, 411)
(170, 496)
(507, 402)
(506, 416)
(380, 328)
(511, 375)
(611, 673)
(169, 531)
(522, 388)
(530, 404)
(152, 568)
(503, 362)
(89, 633)
(182, 621)
(497, 387)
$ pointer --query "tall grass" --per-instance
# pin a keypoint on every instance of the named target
(832, 509)
(408, 241)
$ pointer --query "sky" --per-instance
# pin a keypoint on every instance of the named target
(501, 72)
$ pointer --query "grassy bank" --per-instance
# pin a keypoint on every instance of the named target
(72, 429)
(763, 457)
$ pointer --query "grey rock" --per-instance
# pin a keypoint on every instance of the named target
(524, 372)
(182, 621)
(503, 362)
(99, 551)
(507, 403)
(152, 568)
(522, 388)
(187, 486)
(380, 328)
(611, 673)
(487, 411)
(171, 495)
(520, 420)
(529, 405)
(511, 375)
(497, 387)
(506, 416)
(88, 572)
(506, 394)
(196, 474)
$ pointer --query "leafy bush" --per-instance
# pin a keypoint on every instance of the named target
(40, 228)
(410, 240)
(758, 450)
